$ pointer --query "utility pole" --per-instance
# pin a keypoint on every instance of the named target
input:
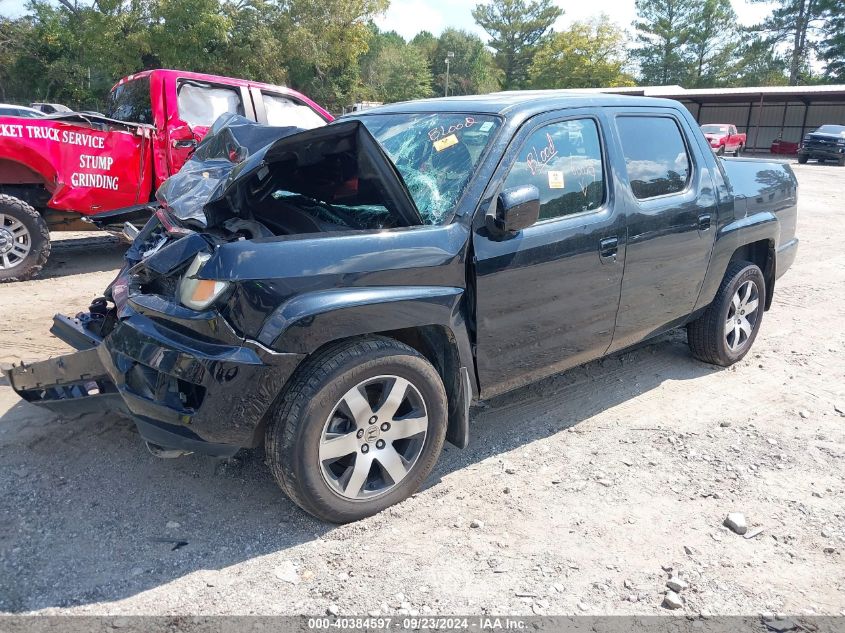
(449, 57)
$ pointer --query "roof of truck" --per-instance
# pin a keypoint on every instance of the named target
(524, 102)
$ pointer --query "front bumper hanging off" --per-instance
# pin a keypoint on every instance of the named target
(184, 393)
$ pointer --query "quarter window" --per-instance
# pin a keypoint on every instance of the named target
(563, 160)
(655, 155)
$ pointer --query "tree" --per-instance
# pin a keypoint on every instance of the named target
(471, 70)
(399, 73)
(663, 31)
(759, 64)
(516, 27)
(322, 43)
(795, 24)
(587, 55)
(713, 43)
(190, 34)
(832, 46)
(427, 43)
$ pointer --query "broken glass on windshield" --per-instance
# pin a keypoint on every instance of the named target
(436, 154)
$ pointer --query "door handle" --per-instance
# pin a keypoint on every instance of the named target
(184, 144)
(704, 222)
(608, 249)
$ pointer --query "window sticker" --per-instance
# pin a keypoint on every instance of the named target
(445, 142)
(555, 179)
(485, 126)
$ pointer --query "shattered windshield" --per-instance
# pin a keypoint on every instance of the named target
(436, 154)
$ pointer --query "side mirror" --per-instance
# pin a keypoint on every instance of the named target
(516, 208)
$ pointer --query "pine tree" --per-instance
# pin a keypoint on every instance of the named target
(663, 30)
(516, 27)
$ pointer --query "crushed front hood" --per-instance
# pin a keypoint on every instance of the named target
(206, 192)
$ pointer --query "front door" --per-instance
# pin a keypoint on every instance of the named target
(546, 298)
(199, 105)
(671, 204)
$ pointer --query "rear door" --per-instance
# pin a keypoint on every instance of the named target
(671, 207)
(546, 298)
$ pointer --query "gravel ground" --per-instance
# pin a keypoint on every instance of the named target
(583, 494)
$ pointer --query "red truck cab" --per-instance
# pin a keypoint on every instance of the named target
(724, 138)
(57, 170)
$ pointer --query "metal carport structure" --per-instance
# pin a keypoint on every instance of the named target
(765, 114)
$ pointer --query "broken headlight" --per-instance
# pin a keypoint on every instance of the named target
(199, 294)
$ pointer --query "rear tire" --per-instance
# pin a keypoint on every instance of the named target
(720, 151)
(24, 240)
(359, 429)
(738, 151)
(727, 329)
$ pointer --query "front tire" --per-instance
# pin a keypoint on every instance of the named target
(803, 158)
(727, 329)
(24, 240)
(720, 151)
(359, 429)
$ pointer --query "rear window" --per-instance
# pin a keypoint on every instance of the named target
(655, 155)
(130, 102)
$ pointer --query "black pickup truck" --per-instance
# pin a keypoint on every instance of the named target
(825, 143)
(344, 294)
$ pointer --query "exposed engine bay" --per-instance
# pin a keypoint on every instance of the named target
(247, 181)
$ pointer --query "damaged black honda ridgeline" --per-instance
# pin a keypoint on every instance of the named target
(343, 294)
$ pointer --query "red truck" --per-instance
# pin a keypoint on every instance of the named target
(724, 138)
(56, 172)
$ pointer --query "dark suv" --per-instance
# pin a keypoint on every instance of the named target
(344, 294)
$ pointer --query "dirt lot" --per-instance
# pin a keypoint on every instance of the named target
(584, 489)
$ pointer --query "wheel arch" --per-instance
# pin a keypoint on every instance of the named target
(429, 319)
(751, 238)
(761, 253)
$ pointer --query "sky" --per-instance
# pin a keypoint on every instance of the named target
(409, 17)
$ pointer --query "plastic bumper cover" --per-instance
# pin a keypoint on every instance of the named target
(183, 392)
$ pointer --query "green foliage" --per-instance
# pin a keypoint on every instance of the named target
(663, 29)
(323, 42)
(796, 25)
(713, 43)
(399, 72)
(759, 64)
(516, 28)
(73, 51)
(471, 70)
(587, 55)
(832, 45)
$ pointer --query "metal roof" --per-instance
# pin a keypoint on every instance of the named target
(834, 92)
